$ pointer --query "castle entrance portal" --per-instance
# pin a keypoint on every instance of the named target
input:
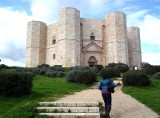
(92, 61)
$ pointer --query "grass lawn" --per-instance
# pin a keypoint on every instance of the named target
(149, 95)
(44, 89)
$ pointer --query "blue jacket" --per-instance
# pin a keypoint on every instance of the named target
(103, 85)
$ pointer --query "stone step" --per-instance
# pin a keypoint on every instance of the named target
(69, 104)
(68, 109)
(72, 115)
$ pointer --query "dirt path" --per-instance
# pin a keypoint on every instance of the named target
(123, 106)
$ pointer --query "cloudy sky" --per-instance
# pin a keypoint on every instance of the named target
(14, 15)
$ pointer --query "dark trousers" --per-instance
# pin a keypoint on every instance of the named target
(107, 101)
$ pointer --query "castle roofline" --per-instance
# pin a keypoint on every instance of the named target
(69, 8)
(36, 21)
(114, 12)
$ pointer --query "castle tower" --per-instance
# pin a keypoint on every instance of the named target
(117, 47)
(36, 43)
(116, 36)
(69, 36)
(134, 47)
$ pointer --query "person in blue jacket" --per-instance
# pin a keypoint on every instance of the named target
(106, 95)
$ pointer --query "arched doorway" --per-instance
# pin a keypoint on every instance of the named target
(92, 61)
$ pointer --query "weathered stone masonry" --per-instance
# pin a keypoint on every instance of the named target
(74, 41)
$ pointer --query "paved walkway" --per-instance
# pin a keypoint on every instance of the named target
(123, 106)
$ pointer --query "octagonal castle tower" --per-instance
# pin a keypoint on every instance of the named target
(75, 41)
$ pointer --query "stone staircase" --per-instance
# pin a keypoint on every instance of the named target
(69, 110)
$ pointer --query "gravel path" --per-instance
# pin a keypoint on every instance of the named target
(123, 106)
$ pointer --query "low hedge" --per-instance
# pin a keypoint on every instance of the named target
(135, 78)
(151, 70)
(157, 75)
(3, 66)
(110, 71)
(121, 66)
(99, 67)
(87, 76)
(15, 84)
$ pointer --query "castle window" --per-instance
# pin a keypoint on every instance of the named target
(92, 37)
(54, 56)
(53, 40)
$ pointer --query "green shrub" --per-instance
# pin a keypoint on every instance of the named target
(57, 68)
(99, 67)
(80, 67)
(72, 75)
(151, 70)
(86, 77)
(112, 64)
(81, 76)
(24, 111)
(94, 69)
(15, 84)
(60, 74)
(43, 65)
(66, 69)
(110, 71)
(42, 71)
(121, 66)
(157, 75)
(135, 78)
(54, 74)
(3, 66)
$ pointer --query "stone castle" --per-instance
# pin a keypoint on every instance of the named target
(75, 41)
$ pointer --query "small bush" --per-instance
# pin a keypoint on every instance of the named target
(43, 65)
(121, 66)
(66, 69)
(157, 75)
(54, 74)
(15, 84)
(86, 77)
(112, 64)
(135, 78)
(99, 67)
(24, 111)
(3, 66)
(94, 69)
(151, 70)
(81, 76)
(110, 71)
(72, 75)
(57, 68)
(80, 68)
(42, 71)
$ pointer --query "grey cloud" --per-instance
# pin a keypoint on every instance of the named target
(13, 52)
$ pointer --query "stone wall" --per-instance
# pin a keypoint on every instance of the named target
(91, 26)
(52, 44)
(68, 42)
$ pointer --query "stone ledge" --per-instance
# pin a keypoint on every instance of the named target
(72, 115)
(68, 109)
(69, 104)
